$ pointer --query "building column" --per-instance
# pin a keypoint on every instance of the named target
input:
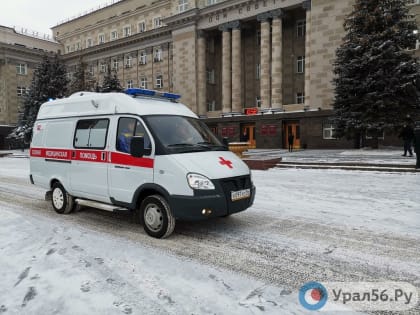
(308, 51)
(226, 70)
(236, 68)
(265, 84)
(201, 75)
(277, 63)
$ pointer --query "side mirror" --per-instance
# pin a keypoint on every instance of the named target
(137, 147)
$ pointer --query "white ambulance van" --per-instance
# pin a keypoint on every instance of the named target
(140, 151)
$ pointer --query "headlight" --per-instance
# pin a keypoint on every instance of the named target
(197, 181)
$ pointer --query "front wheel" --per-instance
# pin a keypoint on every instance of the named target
(61, 201)
(157, 217)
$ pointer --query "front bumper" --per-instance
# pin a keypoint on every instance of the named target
(190, 208)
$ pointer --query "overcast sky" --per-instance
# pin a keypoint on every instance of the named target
(41, 15)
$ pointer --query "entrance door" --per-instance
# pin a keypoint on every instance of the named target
(250, 131)
(291, 128)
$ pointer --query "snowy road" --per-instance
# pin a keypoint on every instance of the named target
(305, 225)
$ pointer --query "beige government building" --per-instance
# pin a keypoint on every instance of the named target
(264, 66)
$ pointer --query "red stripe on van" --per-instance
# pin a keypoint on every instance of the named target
(98, 156)
(126, 159)
(58, 154)
(91, 156)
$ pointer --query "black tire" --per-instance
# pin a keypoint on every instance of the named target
(61, 201)
(156, 217)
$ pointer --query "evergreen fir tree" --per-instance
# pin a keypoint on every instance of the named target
(82, 80)
(49, 82)
(377, 79)
(111, 82)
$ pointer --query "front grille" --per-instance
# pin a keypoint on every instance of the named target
(235, 184)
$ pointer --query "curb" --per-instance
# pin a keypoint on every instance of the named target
(365, 167)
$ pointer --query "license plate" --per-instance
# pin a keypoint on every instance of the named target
(240, 194)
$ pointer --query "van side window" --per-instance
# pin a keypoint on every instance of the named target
(127, 128)
(91, 133)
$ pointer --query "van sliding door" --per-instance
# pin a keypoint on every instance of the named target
(89, 178)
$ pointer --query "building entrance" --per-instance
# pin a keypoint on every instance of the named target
(250, 135)
(291, 127)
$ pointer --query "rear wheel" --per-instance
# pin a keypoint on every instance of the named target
(156, 216)
(61, 201)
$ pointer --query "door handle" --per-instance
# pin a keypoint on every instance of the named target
(122, 167)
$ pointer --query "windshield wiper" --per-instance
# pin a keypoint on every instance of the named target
(186, 146)
(210, 145)
(180, 145)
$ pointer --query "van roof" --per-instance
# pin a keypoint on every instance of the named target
(92, 104)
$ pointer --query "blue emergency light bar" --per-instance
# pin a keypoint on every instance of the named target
(146, 92)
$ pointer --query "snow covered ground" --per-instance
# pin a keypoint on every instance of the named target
(305, 225)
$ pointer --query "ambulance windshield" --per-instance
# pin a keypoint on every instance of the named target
(179, 134)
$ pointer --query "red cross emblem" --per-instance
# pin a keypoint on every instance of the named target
(225, 162)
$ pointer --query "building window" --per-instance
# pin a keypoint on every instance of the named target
(300, 64)
(328, 130)
(127, 31)
(129, 84)
(157, 22)
(143, 83)
(300, 98)
(258, 71)
(211, 106)
(21, 91)
(258, 38)
(159, 81)
(157, 54)
(128, 61)
(210, 76)
(258, 101)
(101, 38)
(78, 46)
(21, 68)
(91, 70)
(114, 35)
(143, 57)
(89, 42)
(142, 26)
(413, 2)
(68, 48)
(115, 64)
(210, 45)
(210, 2)
(103, 67)
(182, 5)
(375, 133)
(301, 28)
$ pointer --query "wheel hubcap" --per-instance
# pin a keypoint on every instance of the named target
(153, 217)
(58, 198)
